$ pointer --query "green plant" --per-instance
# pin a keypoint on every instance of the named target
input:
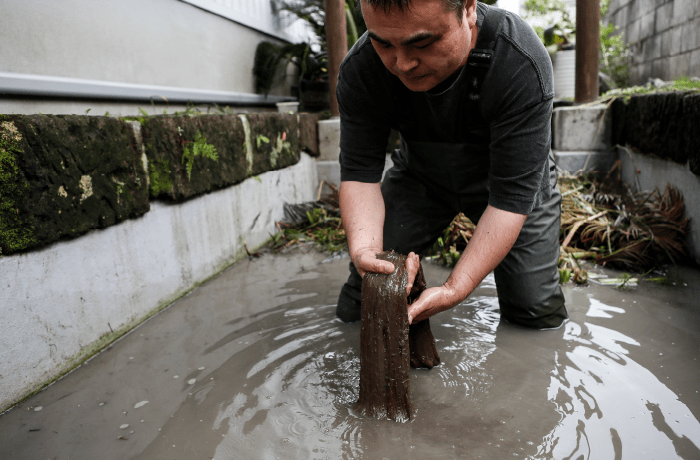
(614, 52)
(313, 13)
(260, 139)
(561, 29)
(681, 83)
(197, 148)
(159, 173)
(271, 61)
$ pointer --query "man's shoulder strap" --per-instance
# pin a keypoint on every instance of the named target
(481, 56)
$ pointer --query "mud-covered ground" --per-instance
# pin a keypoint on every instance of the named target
(254, 365)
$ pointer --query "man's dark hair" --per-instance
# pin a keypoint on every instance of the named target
(450, 5)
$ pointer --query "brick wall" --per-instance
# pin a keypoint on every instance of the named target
(664, 36)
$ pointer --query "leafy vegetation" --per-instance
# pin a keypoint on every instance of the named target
(316, 222)
(682, 83)
(561, 26)
(614, 51)
(197, 148)
(561, 31)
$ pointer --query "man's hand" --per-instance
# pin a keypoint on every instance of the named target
(495, 234)
(412, 267)
(365, 260)
(432, 301)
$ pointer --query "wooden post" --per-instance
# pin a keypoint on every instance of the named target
(336, 38)
(587, 49)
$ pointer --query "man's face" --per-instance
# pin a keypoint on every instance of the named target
(423, 44)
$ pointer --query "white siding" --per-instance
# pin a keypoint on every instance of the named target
(257, 14)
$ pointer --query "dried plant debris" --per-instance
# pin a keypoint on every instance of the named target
(316, 222)
(605, 222)
(602, 221)
(449, 247)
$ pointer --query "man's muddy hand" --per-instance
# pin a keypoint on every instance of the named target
(430, 302)
(412, 267)
(365, 260)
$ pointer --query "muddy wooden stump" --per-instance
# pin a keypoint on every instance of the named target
(388, 345)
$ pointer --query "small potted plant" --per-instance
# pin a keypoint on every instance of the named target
(271, 60)
(558, 36)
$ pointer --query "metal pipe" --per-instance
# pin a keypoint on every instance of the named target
(18, 84)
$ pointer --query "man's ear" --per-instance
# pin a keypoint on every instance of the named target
(470, 12)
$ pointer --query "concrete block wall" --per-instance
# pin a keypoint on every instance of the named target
(664, 36)
(581, 138)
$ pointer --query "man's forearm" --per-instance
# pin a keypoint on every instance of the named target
(362, 210)
(494, 236)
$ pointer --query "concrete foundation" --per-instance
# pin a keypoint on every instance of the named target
(593, 160)
(581, 128)
(57, 300)
(642, 172)
(329, 139)
(581, 138)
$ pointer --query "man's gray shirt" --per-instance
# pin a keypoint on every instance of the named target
(515, 112)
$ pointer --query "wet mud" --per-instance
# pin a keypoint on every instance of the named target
(388, 346)
(254, 365)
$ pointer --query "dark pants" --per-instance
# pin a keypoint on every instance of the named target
(527, 279)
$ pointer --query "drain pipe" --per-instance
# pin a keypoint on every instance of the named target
(28, 85)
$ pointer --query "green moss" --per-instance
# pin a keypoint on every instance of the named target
(15, 235)
(197, 148)
(682, 83)
(160, 177)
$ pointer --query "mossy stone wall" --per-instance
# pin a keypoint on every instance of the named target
(246, 145)
(61, 176)
(662, 124)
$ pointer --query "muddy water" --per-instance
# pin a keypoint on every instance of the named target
(253, 365)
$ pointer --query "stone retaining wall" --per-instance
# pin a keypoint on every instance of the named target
(93, 244)
(61, 176)
(664, 125)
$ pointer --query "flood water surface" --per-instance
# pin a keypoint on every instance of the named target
(254, 365)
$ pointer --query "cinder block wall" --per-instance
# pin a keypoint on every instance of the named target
(664, 36)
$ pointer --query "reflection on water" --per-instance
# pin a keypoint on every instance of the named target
(254, 365)
(610, 406)
(292, 388)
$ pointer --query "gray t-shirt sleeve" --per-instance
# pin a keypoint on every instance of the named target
(517, 101)
(363, 138)
(364, 115)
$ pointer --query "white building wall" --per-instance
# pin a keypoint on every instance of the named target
(154, 42)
